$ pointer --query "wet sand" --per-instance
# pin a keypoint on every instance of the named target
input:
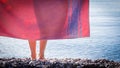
(57, 63)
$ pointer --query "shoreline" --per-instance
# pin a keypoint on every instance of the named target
(57, 63)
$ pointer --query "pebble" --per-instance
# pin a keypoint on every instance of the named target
(57, 63)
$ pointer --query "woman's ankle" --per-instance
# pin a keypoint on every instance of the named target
(41, 56)
(33, 57)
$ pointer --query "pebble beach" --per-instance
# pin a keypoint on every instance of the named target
(57, 63)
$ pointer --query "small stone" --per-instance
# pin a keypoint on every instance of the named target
(57, 63)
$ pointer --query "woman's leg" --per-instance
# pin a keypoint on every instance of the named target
(32, 45)
(42, 48)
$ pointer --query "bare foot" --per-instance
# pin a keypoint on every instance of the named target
(41, 56)
(33, 57)
(42, 59)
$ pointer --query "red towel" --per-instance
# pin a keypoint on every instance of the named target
(44, 19)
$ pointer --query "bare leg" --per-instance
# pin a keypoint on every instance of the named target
(42, 48)
(32, 45)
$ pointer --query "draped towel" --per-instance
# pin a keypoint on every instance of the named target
(44, 19)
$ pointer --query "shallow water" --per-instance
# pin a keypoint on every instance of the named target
(103, 43)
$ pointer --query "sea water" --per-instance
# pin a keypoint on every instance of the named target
(104, 41)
